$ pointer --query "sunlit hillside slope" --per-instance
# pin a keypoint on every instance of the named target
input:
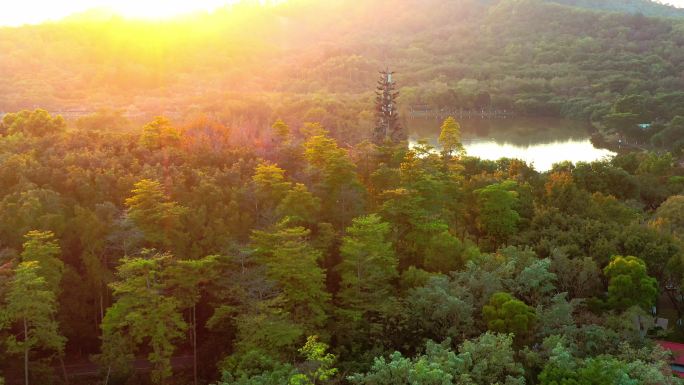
(466, 53)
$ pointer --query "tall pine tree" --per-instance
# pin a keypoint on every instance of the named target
(387, 126)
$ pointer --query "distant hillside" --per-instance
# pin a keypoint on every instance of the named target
(251, 63)
(645, 7)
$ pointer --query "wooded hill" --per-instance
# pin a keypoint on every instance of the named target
(241, 63)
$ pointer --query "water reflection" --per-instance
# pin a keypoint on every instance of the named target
(539, 141)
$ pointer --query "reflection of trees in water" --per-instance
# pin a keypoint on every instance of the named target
(516, 131)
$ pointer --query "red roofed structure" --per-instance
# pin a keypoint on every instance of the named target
(677, 350)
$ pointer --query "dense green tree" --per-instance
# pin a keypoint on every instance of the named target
(506, 314)
(294, 265)
(249, 309)
(36, 208)
(488, 359)
(31, 304)
(653, 247)
(40, 246)
(413, 277)
(367, 271)
(368, 267)
(497, 215)
(276, 198)
(299, 206)
(214, 221)
(334, 180)
(185, 279)
(433, 186)
(159, 134)
(93, 227)
(318, 367)
(264, 338)
(536, 282)
(629, 283)
(444, 252)
(281, 130)
(564, 369)
(625, 123)
(602, 176)
(38, 122)
(579, 277)
(655, 164)
(421, 237)
(484, 276)
(143, 314)
(277, 376)
(151, 210)
(270, 188)
(557, 316)
(450, 138)
(438, 310)
(563, 193)
(404, 371)
(670, 216)
(671, 136)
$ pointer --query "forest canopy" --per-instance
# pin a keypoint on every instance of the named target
(300, 261)
(222, 199)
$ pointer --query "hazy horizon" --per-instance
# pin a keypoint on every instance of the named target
(40, 11)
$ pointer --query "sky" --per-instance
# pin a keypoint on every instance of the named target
(18, 12)
(676, 3)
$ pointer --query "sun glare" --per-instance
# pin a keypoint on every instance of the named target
(38, 11)
(163, 9)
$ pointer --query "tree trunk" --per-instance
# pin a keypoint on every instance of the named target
(101, 305)
(194, 343)
(64, 372)
(675, 303)
(26, 353)
(109, 370)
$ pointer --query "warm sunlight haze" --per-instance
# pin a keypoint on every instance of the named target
(36, 11)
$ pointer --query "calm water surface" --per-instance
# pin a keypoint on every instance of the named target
(538, 141)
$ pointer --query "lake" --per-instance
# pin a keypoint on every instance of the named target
(538, 141)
